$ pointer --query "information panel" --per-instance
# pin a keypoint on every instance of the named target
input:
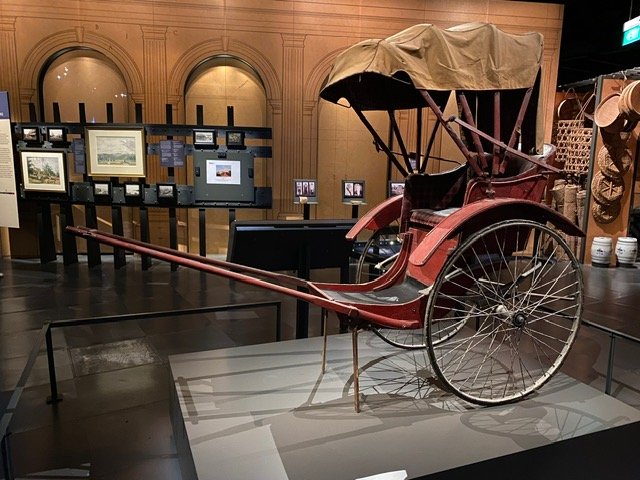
(8, 197)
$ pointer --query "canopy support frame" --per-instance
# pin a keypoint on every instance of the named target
(379, 142)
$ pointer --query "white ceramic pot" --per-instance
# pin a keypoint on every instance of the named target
(626, 251)
(601, 251)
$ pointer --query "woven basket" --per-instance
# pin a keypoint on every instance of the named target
(581, 196)
(614, 162)
(607, 114)
(607, 190)
(570, 209)
(630, 101)
(573, 145)
(605, 213)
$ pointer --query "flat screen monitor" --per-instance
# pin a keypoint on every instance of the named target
(285, 245)
(305, 189)
(223, 176)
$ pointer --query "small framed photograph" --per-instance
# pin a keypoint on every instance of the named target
(205, 139)
(353, 191)
(43, 170)
(396, 188)
(115, 152)
(305, 190)
(167, 191)
(31, 134)
(102, 189)
(235, 139)
(132, 190)
(56, 135)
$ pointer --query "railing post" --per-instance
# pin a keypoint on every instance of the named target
(612, 350)
(5, 452)
(278, 321)
(55, 397)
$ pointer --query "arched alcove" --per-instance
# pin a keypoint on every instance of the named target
(217, 83)
(82, 75)
(222, 81)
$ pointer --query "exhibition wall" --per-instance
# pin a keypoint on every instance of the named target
(278, 55)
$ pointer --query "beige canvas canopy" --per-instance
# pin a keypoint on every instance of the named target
(384, 74)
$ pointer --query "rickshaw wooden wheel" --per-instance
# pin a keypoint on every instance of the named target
(517, 288)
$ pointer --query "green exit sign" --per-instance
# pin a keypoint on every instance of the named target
(631, 31)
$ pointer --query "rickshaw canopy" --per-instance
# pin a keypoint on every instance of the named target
(384, 74)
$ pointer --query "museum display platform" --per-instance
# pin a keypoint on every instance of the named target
(266, 412)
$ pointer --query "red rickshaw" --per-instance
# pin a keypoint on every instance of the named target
(467, 263)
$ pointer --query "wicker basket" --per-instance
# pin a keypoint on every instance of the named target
(614, 162)
(605, 213)
(607, 190)
(573, 145)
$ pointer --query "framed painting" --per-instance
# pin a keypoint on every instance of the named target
(115, 152)
(43, 170)
(205, 139)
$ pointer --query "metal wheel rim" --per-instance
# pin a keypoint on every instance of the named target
(489, 366)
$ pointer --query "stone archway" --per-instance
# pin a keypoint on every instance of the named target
(38, 57)
(223, 46)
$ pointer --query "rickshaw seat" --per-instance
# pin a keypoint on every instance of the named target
(436, 191)
(521, 179)
(430, 218)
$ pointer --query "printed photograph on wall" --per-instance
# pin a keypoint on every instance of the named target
(102, 189)
(223, 172)
(204, 138)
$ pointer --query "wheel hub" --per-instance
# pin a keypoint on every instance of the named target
(517, 319)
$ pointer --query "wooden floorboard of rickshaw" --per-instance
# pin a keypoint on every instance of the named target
(114, 421)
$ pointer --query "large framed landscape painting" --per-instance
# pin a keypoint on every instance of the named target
(115, 152)
(43, 171)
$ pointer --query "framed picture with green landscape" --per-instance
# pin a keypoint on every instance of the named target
(43, 170)
(115, 152)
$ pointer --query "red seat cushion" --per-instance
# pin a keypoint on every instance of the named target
(430, 218)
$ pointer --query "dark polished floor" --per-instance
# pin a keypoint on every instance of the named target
(114, 420)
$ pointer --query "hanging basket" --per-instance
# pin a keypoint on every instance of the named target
(573, 141)
(574, 145)
(605, 213)
(607, 190)
(630, 101)
(614, 162)
(607, 114)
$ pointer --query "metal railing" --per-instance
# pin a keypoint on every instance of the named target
(613, 335)
(45, 334)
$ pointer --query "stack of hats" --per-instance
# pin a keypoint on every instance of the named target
(607, 186)
(617, 115)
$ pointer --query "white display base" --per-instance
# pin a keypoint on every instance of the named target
(266, 412)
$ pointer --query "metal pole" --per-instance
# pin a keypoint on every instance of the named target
(54, 398)
(278, 321)
(612, 350)
(356, 380)
(323, 315)
(5, 451)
